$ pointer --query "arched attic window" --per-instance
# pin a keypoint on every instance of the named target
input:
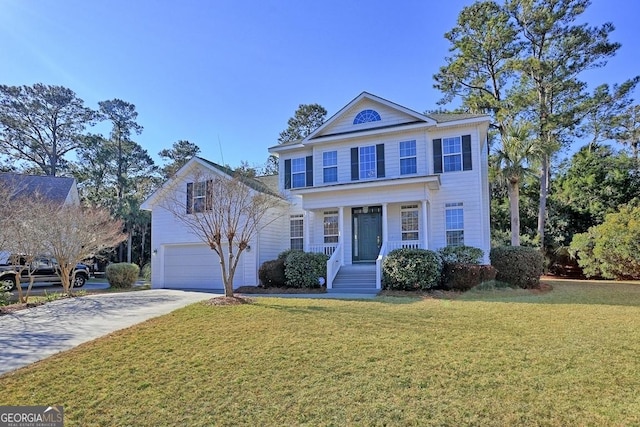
(365, 116)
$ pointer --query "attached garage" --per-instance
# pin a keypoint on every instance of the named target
(194, 266)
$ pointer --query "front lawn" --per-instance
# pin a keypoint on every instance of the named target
(504, 357)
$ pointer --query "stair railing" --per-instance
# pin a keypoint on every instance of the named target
(381, 255)
(334, 264)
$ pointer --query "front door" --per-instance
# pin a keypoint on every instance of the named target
(367, 233)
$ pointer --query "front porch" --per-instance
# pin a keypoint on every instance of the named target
(364, 235)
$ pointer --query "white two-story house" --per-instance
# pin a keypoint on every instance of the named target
(378, 176)
(374, 177)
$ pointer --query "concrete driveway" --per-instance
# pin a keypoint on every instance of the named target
(30, 335)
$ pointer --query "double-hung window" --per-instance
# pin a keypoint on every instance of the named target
(199, 196)
(330, 166)
(298, 172)
(452, 154)
(408, 163)
(297, 232)
(410, 222)
(368, 162)
(454, 216)
(331, 226)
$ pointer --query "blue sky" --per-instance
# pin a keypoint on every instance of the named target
(228, 74)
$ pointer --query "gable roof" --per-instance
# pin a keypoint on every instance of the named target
(454, 117)
(53, 188)
(417, 117)
(256, 183)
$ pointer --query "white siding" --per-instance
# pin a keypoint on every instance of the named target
(388, 116)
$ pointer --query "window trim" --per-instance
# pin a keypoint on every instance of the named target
(331, 237)
(413, 157)
(449, 232)
(405, 233)
(205, 196)
(298, 218)
(329, 167)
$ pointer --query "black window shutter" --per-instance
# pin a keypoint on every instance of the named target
(190, 197)
(355, 168)
(309, 168)
(466, 152)
(380, 160)
(287, 174)
(209, 195)
(437, 156)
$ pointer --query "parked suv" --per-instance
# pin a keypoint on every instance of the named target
(43, 269)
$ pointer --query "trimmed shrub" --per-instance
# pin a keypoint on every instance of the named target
(517, 265)
(462, 277)
(303, 269)
(411, 269)
(285, 254)
(271, 274)
(461, 254)
(122, 275)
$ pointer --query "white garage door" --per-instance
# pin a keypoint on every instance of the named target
(193, 267)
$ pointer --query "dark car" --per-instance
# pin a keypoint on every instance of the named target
(43, 269)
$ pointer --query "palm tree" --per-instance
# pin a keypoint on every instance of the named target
(511, 164)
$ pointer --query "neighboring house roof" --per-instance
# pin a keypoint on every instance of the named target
(53, 188)
(264, 184)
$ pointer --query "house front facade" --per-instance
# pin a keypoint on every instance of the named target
(374, 177)
(378, 176)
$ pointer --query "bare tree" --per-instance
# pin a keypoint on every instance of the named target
(234, 207)
(77, 233)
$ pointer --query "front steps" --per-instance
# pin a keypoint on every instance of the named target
(355, 279)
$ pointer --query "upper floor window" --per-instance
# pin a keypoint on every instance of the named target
(452, 154)
(330, 166)
(367, 162)
(454, 219)
(199, 197)
(365, 116)
(298, 172)
(410, 225)
(408, 162)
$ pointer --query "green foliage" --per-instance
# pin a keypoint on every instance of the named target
(303, 269)
(122, 275)
(520, 266)
(145, 272)
(461, 254)
(611, 249)
(462, 277)
(285, 254)
(272, 273)
(5, 298)
(177, 156)
(411, 269)
(306, 119)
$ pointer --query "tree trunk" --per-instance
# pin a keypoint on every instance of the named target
(514, 207)
(129, 238)
(544, 189)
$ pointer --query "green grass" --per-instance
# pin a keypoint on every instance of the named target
(504, 357)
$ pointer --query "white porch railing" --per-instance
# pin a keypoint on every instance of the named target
(333, 264)
(326, 248)
(404, 244)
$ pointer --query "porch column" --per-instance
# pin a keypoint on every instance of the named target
(425, 225)
(305, 233)
(385, 226)
(341, 232)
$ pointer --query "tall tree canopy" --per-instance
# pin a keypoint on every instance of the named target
(523, 60)
(176, 156)
(306, 119)
(40, 124)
